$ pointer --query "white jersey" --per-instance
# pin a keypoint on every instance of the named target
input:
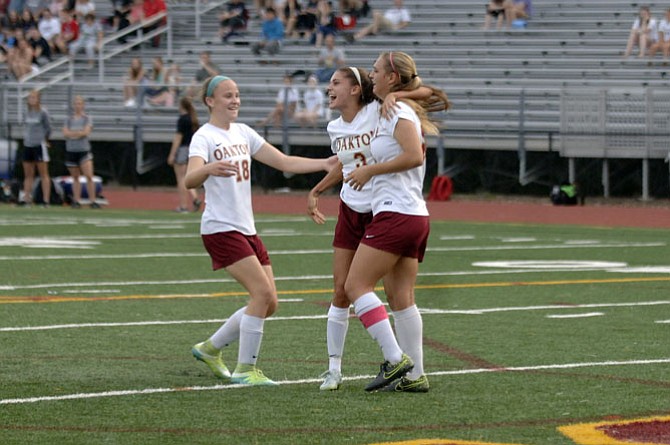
(350, 141)
(227, 199)
(400, 192)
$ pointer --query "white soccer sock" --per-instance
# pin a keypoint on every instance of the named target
(370, 310)
(251, 334)
(229, 331)
(336, 332)
(409, 330)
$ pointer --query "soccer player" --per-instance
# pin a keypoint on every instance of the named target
(220, 157)
(395, 240)
(36, 132)
(78, 156)
(350, 93)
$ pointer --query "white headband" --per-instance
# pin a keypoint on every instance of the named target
(357, 75)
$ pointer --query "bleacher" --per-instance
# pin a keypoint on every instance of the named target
(567, 44)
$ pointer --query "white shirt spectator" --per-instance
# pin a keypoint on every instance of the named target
(398, 16)
(49, 27)
(652, 28)
(664, 30)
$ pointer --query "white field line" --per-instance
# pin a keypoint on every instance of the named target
(323, 251)
(288, 278)
(322, 316)
(543, 308)
(149, 391)
(663, 321)
(584, 315)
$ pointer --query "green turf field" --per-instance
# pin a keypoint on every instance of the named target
(527, 329)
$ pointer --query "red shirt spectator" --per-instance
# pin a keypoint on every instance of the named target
(153, 7)
(69, 27)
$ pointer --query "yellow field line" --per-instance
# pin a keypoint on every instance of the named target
(8, 299)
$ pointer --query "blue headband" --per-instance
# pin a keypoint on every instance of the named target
(216, 80)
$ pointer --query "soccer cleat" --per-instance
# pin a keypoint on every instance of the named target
(389, 373)
(408, 385)
(254, 377)
(215, 362)
(332, 380)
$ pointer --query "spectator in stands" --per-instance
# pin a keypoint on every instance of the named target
(27, 20)
(168, 97)
(82, 8)
(4, 4)
(16, 6)
(312, 104)
(41, 49)
(36, 7)
(356, 8)
(150, 9)
(155, 83)
(261, 5)
(49, 28)
(285, 104)
(330, 59)
(663, 41)
(233, 19)
(326, 24)
(36, 133)
(302, 22)
(3, 44)
(132, 81)
(390, 21)
(56, 6)
(78, 156)
(129, 13)
(69, 31)
(20, 57)
(500, 11)
(12, 21)
(187, 124)
(272, 34)
(207, 69)
(90, 38)
(643, 32)
(522, 9)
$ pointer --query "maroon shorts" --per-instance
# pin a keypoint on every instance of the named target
(350, 227)
(227, 248)
(404, 235)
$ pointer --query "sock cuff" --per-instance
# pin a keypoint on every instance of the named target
(249, 323)
(366, 302)
(406, 313)
(338, 313)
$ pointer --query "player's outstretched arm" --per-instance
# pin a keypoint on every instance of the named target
(332, 178)
(270, 155)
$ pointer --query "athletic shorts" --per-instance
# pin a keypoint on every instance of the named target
(181, 157)
(404, 235)
(76, 158)
(350, 227)
(227, 248)
(36, 154)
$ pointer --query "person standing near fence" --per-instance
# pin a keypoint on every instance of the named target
(187, 124)
(36, 132)
(220, 159)
(395, 240)
(78, 156)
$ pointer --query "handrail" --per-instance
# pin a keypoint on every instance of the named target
(141, 38)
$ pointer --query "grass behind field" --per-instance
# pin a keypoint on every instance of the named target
(98, 311)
